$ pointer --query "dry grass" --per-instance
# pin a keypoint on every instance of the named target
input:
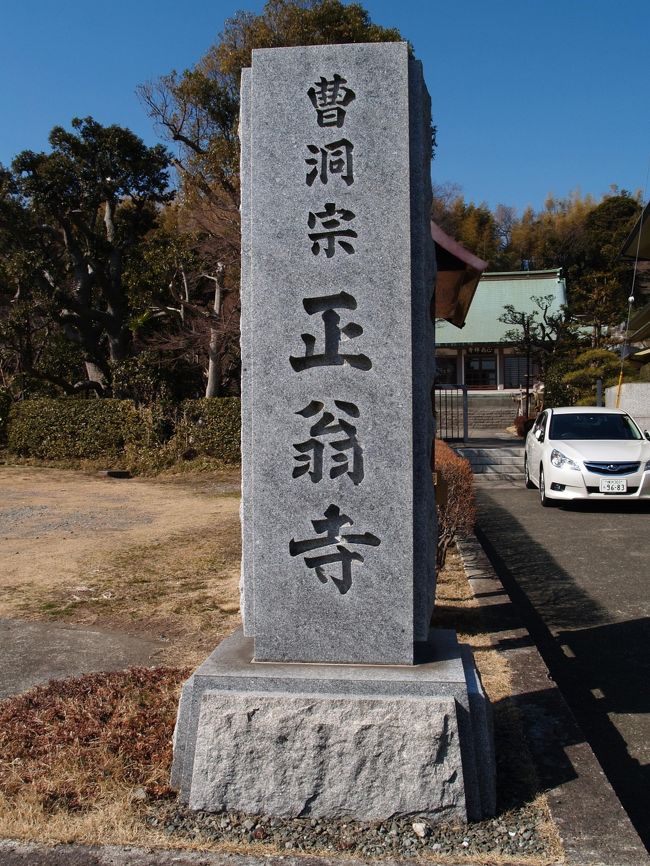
(186, 586)
(87, 760)
(517, 783)
(457, 608)
(80, 755)
(148, 558)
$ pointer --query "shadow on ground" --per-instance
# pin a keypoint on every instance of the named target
(601, 666)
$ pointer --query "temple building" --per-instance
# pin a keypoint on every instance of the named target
(477, 353)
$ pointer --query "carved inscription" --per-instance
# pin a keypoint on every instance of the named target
(329, 221)
(332, 442)
(341, 436)
(334, 334)
(330, 98)
(329, 530)
(330, 159)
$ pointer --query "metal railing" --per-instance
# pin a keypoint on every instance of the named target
(450, 412)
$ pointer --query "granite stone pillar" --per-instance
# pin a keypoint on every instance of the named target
(336, 683)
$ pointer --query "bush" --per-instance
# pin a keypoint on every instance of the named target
(63, 429)
(210, 427)
(5, 403)
(523, 424)
(556, 391)
(458, 514)
(596, 364)
(147, 438)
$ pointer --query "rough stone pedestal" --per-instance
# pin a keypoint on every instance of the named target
(359, 741)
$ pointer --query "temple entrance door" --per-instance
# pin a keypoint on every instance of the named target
(481, 371)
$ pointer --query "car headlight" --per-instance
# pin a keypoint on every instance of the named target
(562, 461)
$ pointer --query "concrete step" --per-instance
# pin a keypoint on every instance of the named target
(504, 463)
(507, 413)
(498, 469)
(506, 417)
(495, 467)
(491, 455)
(505, 455)
(484, 479)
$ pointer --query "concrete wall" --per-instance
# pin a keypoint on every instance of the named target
(635, 400)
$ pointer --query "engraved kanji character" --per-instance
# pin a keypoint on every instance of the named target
(348, 450)
(330, 528)
(331, 357)
(330, 219)
(329, 97)
(333, 158)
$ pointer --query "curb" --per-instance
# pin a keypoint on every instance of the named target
(30, 854)
(594, 828)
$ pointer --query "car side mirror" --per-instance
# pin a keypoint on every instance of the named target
(646, 433)
(539, 435)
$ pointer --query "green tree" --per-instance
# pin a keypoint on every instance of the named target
(589, 367)
(70, 222)
(543, 334)
(600, 286)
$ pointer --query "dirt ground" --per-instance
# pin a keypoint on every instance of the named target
(146, 557)
(157, 560)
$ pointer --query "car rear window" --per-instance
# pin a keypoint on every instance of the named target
(601, 425)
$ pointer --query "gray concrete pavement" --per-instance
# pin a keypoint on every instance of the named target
(580, 576)
(32, 653)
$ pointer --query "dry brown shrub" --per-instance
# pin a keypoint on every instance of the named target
(457, 515)
(71, 739)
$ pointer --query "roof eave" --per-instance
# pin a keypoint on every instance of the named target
(458, 274)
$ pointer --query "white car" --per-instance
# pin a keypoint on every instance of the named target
(587, 452)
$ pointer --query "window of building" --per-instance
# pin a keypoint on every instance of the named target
(516, 373)
(481, 371)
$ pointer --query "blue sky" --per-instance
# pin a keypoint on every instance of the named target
(530, 96)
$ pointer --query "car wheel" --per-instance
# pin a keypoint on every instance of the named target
(543, 498)
(529, 483)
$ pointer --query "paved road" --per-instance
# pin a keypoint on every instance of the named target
(581, 576)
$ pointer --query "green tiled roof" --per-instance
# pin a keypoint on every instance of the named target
(494, 291)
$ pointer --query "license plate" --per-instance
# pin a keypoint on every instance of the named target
(613, 485)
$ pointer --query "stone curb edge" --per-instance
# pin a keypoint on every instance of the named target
(36, 854)
(594, 828)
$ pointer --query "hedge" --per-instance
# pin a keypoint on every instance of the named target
(65, 428)
(457, 515)
(210, 427)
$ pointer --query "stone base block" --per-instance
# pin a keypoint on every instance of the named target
(364, 742)
(327, 757)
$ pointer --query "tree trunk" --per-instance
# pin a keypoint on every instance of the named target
(95, 374)
(212, 387)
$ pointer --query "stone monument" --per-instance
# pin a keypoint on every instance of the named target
(336, 700)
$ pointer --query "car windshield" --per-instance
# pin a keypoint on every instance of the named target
(596, 425)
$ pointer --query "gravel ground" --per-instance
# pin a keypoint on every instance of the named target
(33, 521)
(517, 834)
